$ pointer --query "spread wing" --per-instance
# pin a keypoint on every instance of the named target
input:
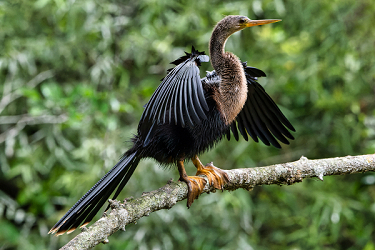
(260, 117)
(179, 99)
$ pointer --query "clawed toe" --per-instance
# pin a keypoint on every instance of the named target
(216, 177)
(195, 188)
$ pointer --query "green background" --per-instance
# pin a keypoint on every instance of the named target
(74, 76)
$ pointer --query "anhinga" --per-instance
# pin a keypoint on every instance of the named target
(188, 115)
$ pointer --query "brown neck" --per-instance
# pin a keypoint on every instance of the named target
(217, 52)
(232, 92)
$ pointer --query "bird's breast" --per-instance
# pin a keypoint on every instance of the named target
(232, 94)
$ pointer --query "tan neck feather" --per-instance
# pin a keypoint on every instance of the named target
(232, 89)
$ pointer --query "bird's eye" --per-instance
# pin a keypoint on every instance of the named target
(242, 20)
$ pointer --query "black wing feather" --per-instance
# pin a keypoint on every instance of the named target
(186, 94)
(255, 123)
(192, 110)
(197, 102)
(234, 130)
(273, 121)
(180, 95)
(248, 122)
(241, 125)
(260, 123)
(271, 104)
(260, 116)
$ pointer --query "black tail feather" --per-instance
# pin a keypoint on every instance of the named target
(88, 206)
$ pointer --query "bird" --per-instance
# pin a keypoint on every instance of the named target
(188, 115)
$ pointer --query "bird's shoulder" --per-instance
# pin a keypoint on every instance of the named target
(211, 78)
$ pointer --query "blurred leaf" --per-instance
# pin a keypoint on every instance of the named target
(98, 62)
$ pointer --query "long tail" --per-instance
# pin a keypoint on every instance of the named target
(85, 209)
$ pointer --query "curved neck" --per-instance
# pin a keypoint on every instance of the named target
(232, 91)
(217, 52)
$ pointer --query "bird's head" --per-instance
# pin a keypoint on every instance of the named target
(232, 24)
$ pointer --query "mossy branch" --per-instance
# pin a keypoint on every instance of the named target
(166, 197)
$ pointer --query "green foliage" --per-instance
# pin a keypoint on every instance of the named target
(75, 76)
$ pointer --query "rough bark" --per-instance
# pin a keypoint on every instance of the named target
(166, 197)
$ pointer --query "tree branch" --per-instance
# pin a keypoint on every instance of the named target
(246, 178)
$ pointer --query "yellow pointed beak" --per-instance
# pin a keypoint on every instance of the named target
(252, 23)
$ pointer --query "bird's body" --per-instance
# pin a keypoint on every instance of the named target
(171, 143)
(187, 115)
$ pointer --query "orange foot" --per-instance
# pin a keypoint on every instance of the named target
(195, 187)
(215, 176)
